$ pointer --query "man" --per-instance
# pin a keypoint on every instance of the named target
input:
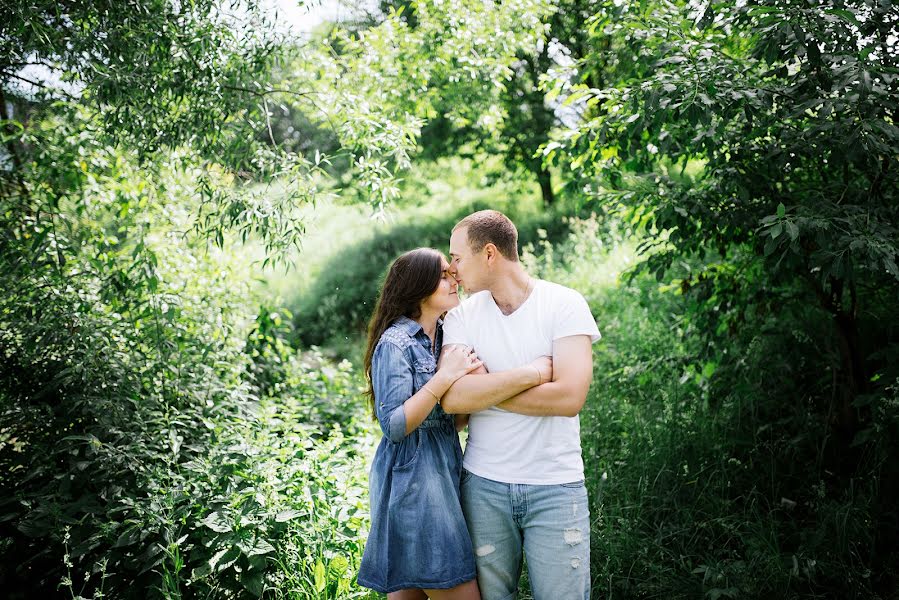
(523, 477)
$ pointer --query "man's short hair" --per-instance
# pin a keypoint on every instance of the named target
(491, 226)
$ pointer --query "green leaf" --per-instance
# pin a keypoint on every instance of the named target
(891, 267)
(718, 593)
(862, 437)
(253, 582)
(127, 538)
(287, 515)
(320, 576)
(202, 571)
(224, 559)
(338, 565)
(261, 547)
(216, 522)
(781, 210)
(792, 229)
(845, 15)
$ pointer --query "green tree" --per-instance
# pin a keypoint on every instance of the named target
(530, 114)
(754, 146)
(150, 76)
(380, 85)
(518, 120)
(157, 73)
(790, 108)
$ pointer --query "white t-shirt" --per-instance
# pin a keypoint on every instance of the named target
(505, 446)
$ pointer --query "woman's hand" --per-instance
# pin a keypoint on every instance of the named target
(457, 361)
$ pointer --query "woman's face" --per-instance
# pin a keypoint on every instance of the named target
(445, 296)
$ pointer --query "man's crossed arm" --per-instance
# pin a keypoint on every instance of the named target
(519, 391)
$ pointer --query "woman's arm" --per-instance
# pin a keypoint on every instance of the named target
(400, 411)
(416, 408)
(420, 405)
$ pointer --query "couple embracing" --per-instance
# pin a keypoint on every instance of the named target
(514, 363)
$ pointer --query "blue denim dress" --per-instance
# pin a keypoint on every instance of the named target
(418, 536)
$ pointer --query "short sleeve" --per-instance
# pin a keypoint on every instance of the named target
(573, 317)
(391, 378)
(454, 329)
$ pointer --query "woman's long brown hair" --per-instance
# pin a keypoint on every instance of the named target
(410, 280)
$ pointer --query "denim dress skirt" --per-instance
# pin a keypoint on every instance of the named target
(418, 536)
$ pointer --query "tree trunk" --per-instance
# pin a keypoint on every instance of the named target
(851, 377)
(854, 379)
(9, 131)
(546, 187)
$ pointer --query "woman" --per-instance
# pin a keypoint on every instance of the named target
(418, 545)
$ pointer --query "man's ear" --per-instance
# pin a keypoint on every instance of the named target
(490, 251)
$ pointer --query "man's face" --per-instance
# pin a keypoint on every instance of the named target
(466, 266)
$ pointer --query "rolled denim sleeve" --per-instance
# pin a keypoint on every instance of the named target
(391, 378)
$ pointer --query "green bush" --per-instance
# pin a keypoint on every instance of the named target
(340, 302)
(155, 439)
(706, 439)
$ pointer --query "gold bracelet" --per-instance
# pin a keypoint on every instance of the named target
(428, 390)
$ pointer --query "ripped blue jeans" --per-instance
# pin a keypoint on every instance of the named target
(548, 524)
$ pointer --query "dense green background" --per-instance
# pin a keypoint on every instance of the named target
(196, 212)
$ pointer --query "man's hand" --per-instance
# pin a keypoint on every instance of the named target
(565, 395)
(480, 390)
(544, 366)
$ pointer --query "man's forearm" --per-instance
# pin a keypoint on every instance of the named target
(476, 392)
(552, 399)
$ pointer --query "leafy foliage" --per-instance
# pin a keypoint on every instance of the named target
(378, 86)
(137, 425)
(159, 74)
(763, 140)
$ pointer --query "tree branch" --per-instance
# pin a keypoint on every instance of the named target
(39, 84)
